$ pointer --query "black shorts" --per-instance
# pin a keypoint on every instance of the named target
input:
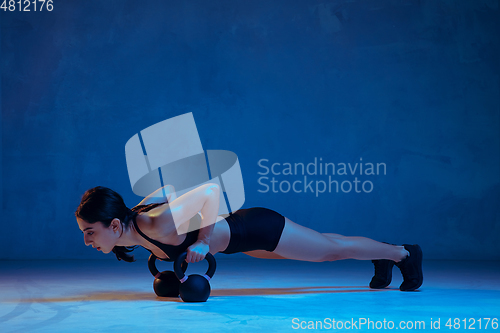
(254, 228)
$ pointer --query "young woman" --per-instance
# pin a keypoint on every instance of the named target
(108, 225)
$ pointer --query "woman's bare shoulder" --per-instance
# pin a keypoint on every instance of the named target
(156, 221)
(144, 222)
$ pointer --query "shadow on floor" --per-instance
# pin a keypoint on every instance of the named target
(142, 296)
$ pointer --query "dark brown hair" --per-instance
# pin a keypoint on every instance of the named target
(102, 204)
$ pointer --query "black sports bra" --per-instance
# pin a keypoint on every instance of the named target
(172, 251)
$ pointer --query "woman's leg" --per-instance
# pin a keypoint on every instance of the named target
(301, 243)
(263, 254)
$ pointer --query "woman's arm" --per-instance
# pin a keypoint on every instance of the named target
(203, 199)
(199, 249)
(209, 213)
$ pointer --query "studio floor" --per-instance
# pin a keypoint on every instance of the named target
(248, 295)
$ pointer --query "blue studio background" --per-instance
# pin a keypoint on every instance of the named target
(412, 84)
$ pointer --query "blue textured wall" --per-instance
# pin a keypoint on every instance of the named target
(412, 84)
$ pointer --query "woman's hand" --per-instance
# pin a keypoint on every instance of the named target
(197, 251)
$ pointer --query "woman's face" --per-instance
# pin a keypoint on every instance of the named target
(100, 237)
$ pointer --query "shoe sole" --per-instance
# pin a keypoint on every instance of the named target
(382, 286)
(419, 256)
